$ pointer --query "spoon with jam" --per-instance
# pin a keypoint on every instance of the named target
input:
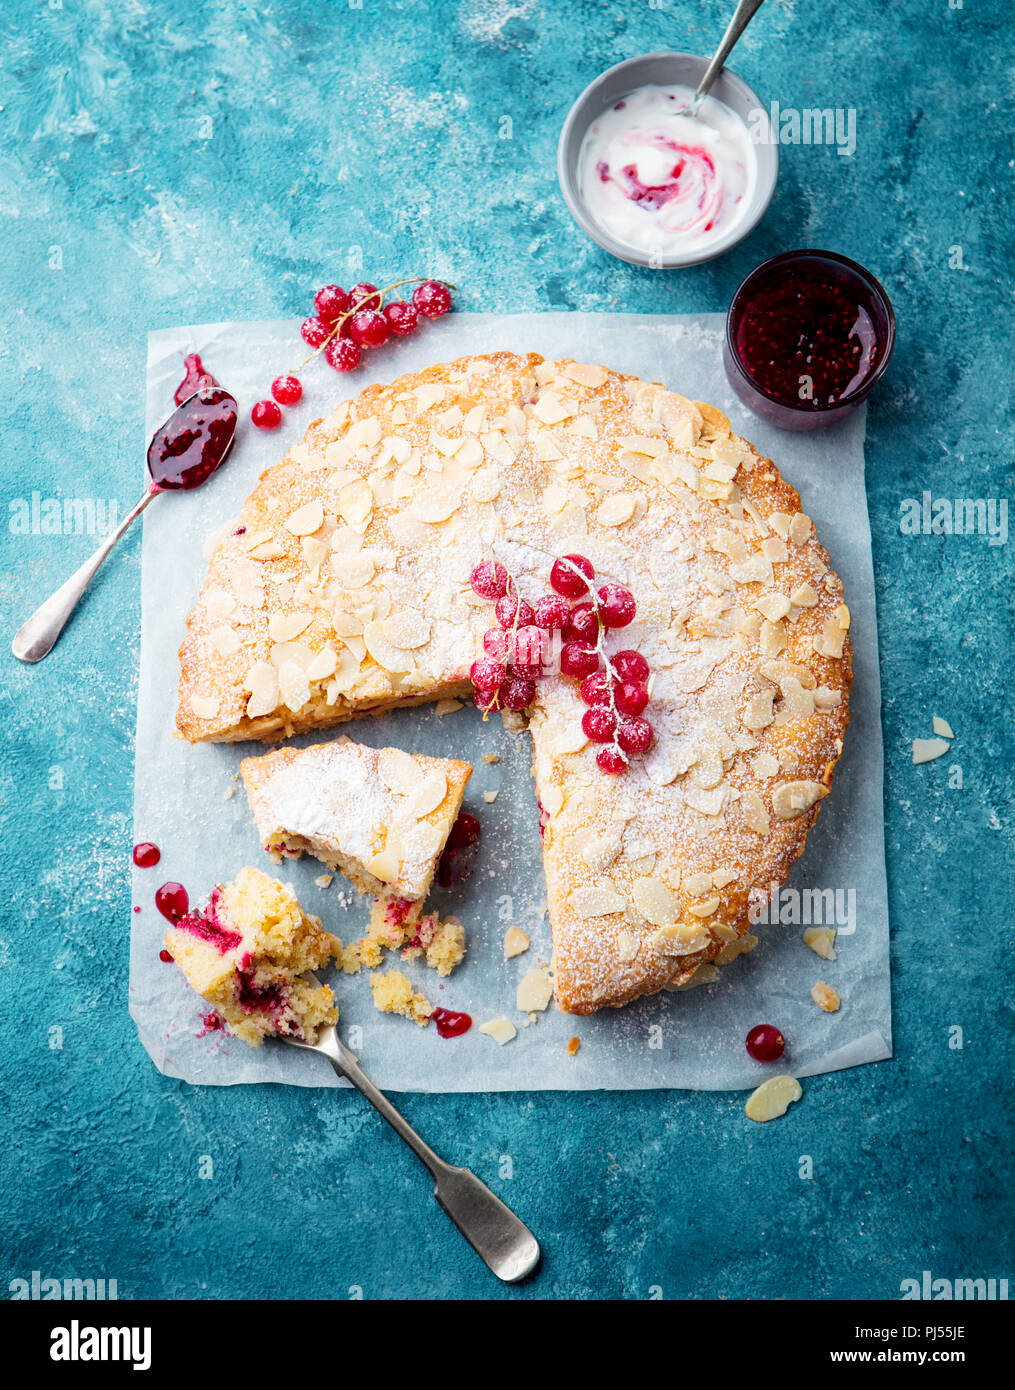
(183, 454)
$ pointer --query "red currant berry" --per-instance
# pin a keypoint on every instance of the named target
(635, 735)
(364, 296)
(402, 318)
(497, 643)
(570, 576)
(287, 390)
(630, 698)
(432, 299)
(551, 612)
(578, 660)
(616, 605)
(517, 693)
(599, 724)
(486, 674)
(595, 689)
(583, 624)
(266, 415)
(513, 611)
(342, 354)
(631, 666)
(765, 1043)
(368, 328)
(330, 303)
(486, 700)
(314, 332)
(528, 650)
(489, 579)
(612, 760)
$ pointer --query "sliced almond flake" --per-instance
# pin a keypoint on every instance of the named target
(348, 624)
(545, 446)
(431, 794)
(599, 851)
(698, 884)
(251, 542)
(384, 866)
(707, 802)
(925, 750)
(355, 502)
(804, 596)
(291, 651)
(941, 727)
(791, 799)
(740, 946)
(773, 606)
(826, 996)
(314, 551)
(778, 672)
(502, 1030)
(436, 505)
(406, 630)
(585, 374)
(219, 604)
(656, 901)
(364, 433)
(305, 520)
(268, 550)
(262, 682)
(764, 765)
(428, 395)
(825, 698)
(756, 569)
(706, 908)
(443, 707)
(593, 900)
(399, 771)
(831, 641)
(821, 940)
(446, 446)
(470, 455)
(486, 485)
(552, 800)
(389, 658)
(774, 549)
(616, 509)
(721, 878)
(283, 627)
(535, 990)
(323, 664)
(225, 640)
(626, 947)
(554, 498)
(799, 528)
(516, 942)
(293, 686)
(551, 409)
(205, 706)
(682, 940)
(772, 639)
(353, 570)
(755, 813)
(772, 1098)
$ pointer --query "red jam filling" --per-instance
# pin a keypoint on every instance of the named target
(213, 1023)
(450, 1024)
(454, 866)
(206, 924)
(193, 442)
(172, 901)
(196, 378)
(807, 337)
(165, 957)
(146, 855)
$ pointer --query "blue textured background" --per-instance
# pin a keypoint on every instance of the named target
(212, 161)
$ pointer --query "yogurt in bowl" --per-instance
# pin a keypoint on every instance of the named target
(660, 179)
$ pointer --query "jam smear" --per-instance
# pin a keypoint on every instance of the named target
(808, 337)
(454, 866)
(146, 855)
(193, 442)
(196, 378)
(450, 1024)
(165, 957)
(172, 901)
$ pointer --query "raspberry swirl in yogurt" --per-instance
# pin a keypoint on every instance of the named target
(662, 180)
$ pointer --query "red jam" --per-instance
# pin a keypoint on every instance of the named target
(172, 901)
(193, 442)
(146, 855)
(196, 378)
(450, 1024)
(165, 957)
(454, 866)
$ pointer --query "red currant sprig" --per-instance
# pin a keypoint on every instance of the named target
(344, 323)
(505, 678)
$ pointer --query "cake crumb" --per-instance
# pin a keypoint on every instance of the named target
(516, 942)
(229, 792)
(324, 880)
(490, 797)
(393, 994)
(573, 1045)
(825, 996)
(443, 707)
(491, 758)
(441, 942)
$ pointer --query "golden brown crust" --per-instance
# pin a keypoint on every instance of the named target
(347, 590)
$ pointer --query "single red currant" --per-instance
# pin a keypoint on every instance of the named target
(486, 700)
(402, 318)
(266, 415)
(611, 759)
(369, 328)
(616, 605)
(364, 296)
(631, 666)
(497, 643)
(630, 698)
(599, 724)
(343, 354)
(432, 299)
(287, 390)
(765, 1043)
(578, 660)
(489, 579)
(486, 674)
(517, 693)
(570, 576)
(635, 735)
(551, 612)
(528, 654)
(513, 611)
(314, 332)
(583, 624)
(330, 303)
(595, 689)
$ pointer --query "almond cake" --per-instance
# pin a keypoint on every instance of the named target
(345, 588)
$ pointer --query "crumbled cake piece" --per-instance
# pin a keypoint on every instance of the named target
(573, 1045)
(516, 942)
(381, 816)
(821, 940)
(442, 943)
(395, 924)
(393, 994)
(826, 996)
(245, 951)
(502, 1030)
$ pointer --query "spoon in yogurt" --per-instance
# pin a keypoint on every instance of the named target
(742, 16)
(183, 454)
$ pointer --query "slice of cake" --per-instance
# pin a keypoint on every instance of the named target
(380, 815)
(244, 952)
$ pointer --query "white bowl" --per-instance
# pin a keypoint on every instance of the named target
(663, 70)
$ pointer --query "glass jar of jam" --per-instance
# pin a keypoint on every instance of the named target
(808, 334)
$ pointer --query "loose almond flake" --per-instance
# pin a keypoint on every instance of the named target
(502, 1030)
(925, 750)
(825, 996)
(821, 940)
(516, 942)
(772, 1098)
(535, 990)
(942, 728)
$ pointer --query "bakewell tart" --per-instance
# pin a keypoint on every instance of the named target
(379, 815)
(245, 951)
(344, 587)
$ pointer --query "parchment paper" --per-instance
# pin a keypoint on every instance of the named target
(692, 1039)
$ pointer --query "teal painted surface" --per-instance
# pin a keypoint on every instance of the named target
(221, 162)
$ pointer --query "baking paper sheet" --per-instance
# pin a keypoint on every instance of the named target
(692, 1039)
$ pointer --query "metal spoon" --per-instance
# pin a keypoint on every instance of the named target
(742, 16)
(504, 1244)
(211, 411)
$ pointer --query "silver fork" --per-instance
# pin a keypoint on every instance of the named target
(502, 1242)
